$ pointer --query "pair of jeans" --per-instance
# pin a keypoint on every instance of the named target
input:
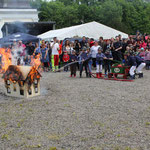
(107, 68)
(90, 67)
(73, 68)
(84, 64)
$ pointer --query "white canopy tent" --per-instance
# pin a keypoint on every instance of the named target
(91, 30)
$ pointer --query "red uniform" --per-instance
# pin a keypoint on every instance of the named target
(66, 58)
(60, 49)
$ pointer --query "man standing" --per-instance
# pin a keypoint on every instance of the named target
(30, 49)
(55, 54)
(117, 50)
(83, 43)
(101, 42)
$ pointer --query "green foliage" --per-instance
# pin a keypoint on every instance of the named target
(125, 15)
(53, 148)
(5, 136)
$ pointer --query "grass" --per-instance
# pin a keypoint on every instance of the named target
(5, 137)
(54, 137)
(52, 148)
(147, 123)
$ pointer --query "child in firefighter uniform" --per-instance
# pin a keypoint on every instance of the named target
(83, 61)
(65, 60)
(140, 65)
(107, 62)
(99, 62)
(90, 62)
(73, 58)
(130, 60)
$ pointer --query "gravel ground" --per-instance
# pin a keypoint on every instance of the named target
(78, 114)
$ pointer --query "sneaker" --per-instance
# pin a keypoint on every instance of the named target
(74, 76)
(70, 76)
(132, 77)
(140, 75)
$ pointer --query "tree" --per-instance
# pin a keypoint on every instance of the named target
(125, 15)
(111, 14)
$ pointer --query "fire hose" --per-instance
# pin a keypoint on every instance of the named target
(62, 68)
(94, 74)
(83, 62)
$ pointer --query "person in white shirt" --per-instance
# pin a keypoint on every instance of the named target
(94, 51)
(55, 54)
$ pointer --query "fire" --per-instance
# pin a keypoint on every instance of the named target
(22, 81)
(35, 61)
(6, 60)
(5, 55)
(34, 74)
(14, 74)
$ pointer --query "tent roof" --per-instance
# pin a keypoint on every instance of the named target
(91, 30)
(19, 36)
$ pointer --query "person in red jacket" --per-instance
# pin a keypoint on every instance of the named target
(92, 42)
(65, 60)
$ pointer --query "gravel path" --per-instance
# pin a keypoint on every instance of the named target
(78, 114)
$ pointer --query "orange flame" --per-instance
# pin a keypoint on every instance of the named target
(34, 74)
(5, 59)
(36, 62)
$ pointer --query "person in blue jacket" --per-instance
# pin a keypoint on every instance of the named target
(130, 60)
(89, 59)
(140, 65)
(83, 61)
(99, 62)
(73, 67)
(107, 62)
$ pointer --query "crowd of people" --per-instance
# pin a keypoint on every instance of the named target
(87, 53)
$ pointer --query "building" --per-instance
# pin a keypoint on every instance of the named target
(33, 28)
(18, 16)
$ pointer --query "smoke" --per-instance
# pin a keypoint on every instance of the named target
(17, 26)
(18, 52)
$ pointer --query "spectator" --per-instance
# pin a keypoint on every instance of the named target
(94, 51)
(66, 47)
(71, 47)
(37, 49)
(30, 49)
(101, 43)
(65, 60)
(143, 44)
(55, 54)
(77, 47)
(91, 42)
(107, 46)
(45, 57)
(147, 59)
(117, 50)
(83, 43)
